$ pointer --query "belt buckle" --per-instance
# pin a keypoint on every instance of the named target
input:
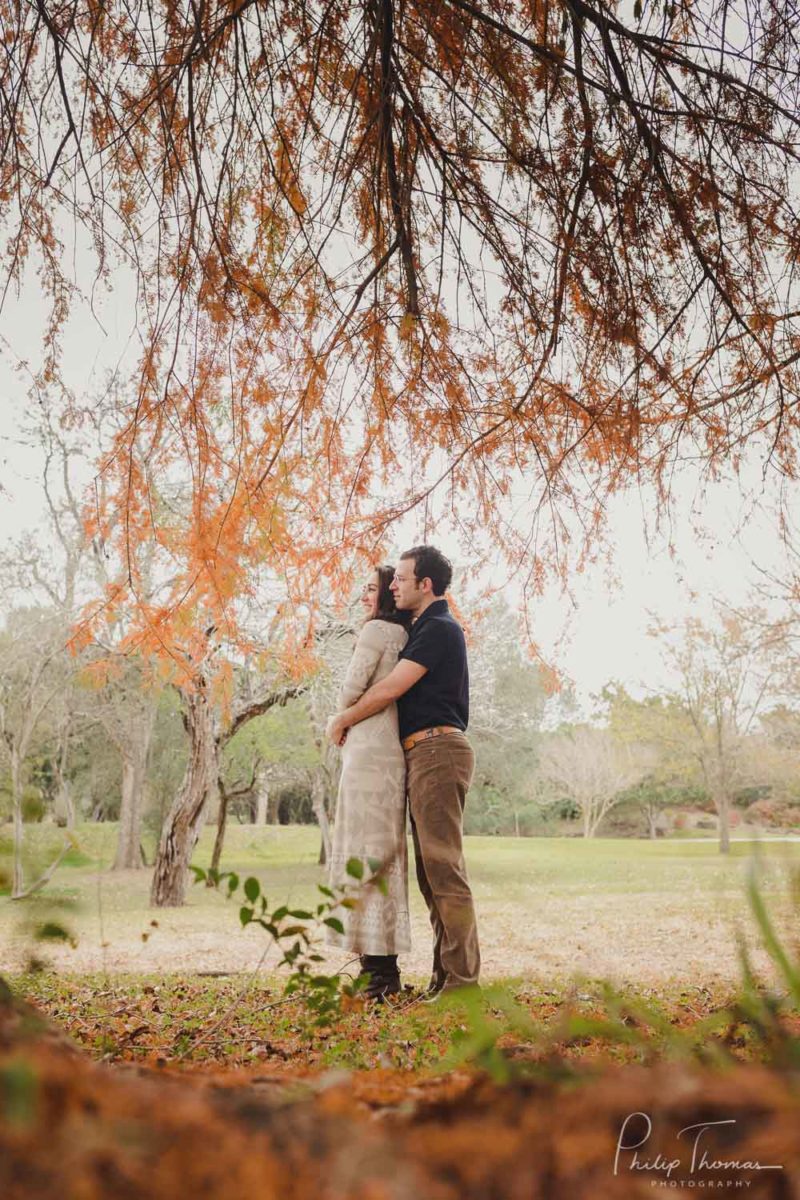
(430, 733)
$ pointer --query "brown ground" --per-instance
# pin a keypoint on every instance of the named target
(75, 1129)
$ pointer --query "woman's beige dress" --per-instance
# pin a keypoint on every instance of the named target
(371, 806)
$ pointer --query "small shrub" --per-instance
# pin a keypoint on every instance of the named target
(775, 813)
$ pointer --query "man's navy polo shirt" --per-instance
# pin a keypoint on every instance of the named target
(441, 696)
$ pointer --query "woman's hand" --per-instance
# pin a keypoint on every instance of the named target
(336, 730)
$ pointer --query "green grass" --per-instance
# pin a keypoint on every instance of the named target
(569, 889)
(285, 860)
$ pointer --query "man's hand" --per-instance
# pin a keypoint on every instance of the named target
(336, 730)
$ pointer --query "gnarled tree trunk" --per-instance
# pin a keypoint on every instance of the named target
(185, 818)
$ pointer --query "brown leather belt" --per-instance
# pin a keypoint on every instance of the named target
(423, 734)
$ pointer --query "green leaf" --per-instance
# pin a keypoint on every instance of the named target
(280, 913)
(199, 873)
(334, 923)
(300, 914)
(252, 889)
(233, 883)
(245, 915)
(326, 891)
(375, 865)
(355, 868)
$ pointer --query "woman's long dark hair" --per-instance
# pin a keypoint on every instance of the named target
(387, 610)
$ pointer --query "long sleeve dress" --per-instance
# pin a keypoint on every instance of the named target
(371, 806)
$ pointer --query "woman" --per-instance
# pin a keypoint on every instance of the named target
(371, 806)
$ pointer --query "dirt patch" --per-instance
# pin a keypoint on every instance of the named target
(636, 940)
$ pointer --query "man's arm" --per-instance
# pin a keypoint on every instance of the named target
(376, 698)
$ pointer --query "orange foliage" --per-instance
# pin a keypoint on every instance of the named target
(390, 258)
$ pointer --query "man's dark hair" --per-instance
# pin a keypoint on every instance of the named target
(430, 563)
(387, 610)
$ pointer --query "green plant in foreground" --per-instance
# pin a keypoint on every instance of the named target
(295, 931)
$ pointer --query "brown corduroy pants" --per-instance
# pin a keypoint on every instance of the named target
(439, 772)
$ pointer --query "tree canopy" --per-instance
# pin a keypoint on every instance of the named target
(393, 256)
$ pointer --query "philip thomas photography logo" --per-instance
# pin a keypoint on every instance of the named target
(693, 1165)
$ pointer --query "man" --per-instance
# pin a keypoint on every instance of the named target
(431, 687)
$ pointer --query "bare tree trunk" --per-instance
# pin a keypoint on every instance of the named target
(321, 813)
(262, 802)
(222, 821)
(652, 819)
(184, 820)
(17, 879)
(64, 806)
(129, 847)
(723, 811)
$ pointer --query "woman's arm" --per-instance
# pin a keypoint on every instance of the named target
(365, 658)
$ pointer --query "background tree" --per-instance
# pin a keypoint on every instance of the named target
(119, 695)
(32, 674)
(658, 728)
(252, 758)
(507, 702)
(589, 766)
(725, 685)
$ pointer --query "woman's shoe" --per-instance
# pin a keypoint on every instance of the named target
(383, 977)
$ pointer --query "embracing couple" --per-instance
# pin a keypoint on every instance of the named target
(404, 710)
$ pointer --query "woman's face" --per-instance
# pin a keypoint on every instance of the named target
(369, 596)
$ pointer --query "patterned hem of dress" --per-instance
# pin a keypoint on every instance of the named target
(368, 945)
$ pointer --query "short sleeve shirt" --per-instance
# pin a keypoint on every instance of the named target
(441, 696)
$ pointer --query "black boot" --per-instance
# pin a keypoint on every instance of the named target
(383, 977)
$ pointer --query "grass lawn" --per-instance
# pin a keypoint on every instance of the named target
(557, 917)
(549, 909)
